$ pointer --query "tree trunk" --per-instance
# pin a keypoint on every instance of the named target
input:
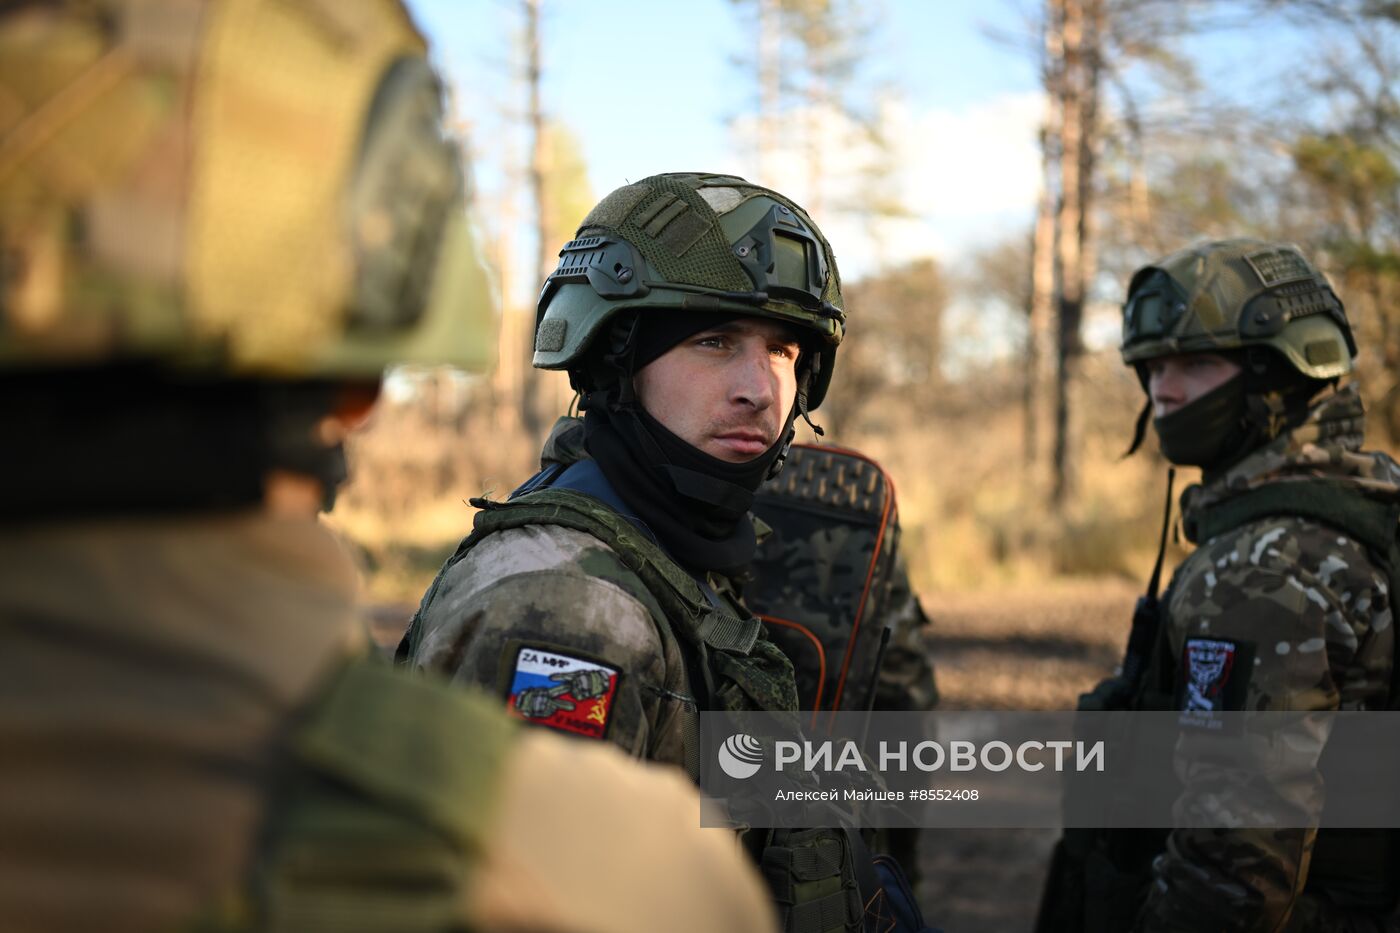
(530, 398)
(1080, 23)
(1039, 385)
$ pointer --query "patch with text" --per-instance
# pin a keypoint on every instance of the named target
(1215, 674)
(562, 691)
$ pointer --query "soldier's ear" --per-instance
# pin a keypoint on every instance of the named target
(351, 405)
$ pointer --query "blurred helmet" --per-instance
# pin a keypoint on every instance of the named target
(709, 243)
(235, 187)
(1236, 294)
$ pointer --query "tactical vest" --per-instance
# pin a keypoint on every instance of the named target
(385, 801)
(1371, 522)
(730, 665)
(1099, 877)
(1357, 869)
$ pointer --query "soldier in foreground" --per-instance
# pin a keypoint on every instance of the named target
(1284, 605)
(699, 317)
(219, 222)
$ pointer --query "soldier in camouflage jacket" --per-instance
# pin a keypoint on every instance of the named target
(698, 315)
(1239, 345)
(1312, 608)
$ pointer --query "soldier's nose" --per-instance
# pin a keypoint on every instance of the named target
(753, 379)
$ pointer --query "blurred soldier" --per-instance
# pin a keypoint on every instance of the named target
(218, 222)
(1283, 606)
(699, 316)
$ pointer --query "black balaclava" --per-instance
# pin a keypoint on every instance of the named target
(1208, 430)
(133, 440)
(1223, 426)
(696, 505)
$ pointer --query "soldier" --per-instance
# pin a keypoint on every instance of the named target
(1283, 605)
(698, 316)
(218, 222)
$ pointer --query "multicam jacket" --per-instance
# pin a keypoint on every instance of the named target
(1306, 612)
(194, 737)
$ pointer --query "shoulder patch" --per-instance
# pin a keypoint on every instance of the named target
(562, 689)
(1215, 674)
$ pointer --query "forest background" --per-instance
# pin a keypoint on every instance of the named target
(989, 175)
(984, 254)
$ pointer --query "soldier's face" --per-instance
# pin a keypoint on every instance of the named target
(726, 391)
(1174, 381)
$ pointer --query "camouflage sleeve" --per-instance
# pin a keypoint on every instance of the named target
(1258, 623)
(535, 615)
(906, 677)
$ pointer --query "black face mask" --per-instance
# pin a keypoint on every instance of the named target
(1210, 431)
(695, 504)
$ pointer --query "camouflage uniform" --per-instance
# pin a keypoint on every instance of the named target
(192, 735)
(567, 599)
(592, 601)
(907, 680)
(216, 219)
(541, 595)
(563, 592)
(1313, 609)
(1285, 605)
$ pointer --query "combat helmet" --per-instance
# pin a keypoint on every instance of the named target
(1261, 304)
(219, 221)
(1234, 294)
(693, 242)
(231, 187)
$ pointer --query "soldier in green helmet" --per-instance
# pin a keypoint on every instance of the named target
(1284, 604)
(219, 221)
(698, 316)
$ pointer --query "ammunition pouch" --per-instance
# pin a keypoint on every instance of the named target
(812, 875)
(381, 811)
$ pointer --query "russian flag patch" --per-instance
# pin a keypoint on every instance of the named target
(562, 691)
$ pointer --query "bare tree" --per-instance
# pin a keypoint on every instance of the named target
(530, 402)
(1074, 29)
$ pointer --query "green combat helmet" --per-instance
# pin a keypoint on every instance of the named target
(223, 215)
(695, 242)
(299, 210)
(1259, 302)
(1232, 294)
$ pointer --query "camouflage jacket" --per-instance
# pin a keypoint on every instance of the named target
(560, 625)
(193, 737)
(1311, 608)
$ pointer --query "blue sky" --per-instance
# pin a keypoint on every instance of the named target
(652, 86)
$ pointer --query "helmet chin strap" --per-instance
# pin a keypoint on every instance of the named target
(1140, 430)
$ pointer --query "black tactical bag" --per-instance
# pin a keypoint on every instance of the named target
(822, 579)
